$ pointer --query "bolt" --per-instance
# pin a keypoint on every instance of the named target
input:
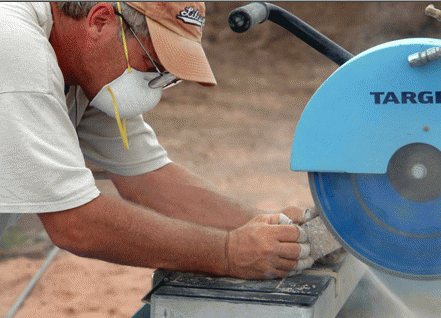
(426, 128)
(421, 58)
(418, 171)
(433, 12)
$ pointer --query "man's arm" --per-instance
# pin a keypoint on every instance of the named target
(117, 231)
(177, 193)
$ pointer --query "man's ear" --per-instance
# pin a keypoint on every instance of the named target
(101, 19)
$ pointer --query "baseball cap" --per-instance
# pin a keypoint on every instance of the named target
(176, 32)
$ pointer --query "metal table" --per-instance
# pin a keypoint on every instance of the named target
(318, 292)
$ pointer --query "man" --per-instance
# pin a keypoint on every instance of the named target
(168, 219)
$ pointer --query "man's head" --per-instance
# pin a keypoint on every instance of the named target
(87, 39)
(176, 32)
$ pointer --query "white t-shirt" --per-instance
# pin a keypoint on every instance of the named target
(45, 135)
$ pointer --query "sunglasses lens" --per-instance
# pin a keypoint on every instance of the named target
(173, 83)
(163, 80)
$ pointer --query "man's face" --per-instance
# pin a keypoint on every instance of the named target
(91, 54)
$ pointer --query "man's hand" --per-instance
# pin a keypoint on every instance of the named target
(298, 215)
(263, 249)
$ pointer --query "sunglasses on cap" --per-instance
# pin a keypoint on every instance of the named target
(164, 79)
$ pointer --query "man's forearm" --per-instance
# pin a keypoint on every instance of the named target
(176, 193)
(116, 231)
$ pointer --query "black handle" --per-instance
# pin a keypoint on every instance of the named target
(244, 18)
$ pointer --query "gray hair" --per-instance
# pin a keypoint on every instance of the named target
(78, 10)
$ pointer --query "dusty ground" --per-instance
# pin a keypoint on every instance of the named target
(237, 135)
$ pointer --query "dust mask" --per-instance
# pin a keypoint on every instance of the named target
(131, 92)
(127, 96)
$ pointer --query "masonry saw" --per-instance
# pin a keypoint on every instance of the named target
(369, 139)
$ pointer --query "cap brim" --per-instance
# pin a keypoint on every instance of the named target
(182, 57)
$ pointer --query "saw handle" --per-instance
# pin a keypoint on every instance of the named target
(244, 18)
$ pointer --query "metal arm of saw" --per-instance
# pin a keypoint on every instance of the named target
(243, 18)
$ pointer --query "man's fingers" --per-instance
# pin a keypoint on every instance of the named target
(286, 264)
(309, 214)
(293, 265)
(304, 263)
(294, 251)
(294, 213)
(298, 215)
(283, 219)
(288, 216)
(290, 233)
(305, 249)
(289, 250)
(266, 219)
(302, 236)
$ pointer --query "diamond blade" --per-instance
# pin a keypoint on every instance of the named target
(389, 221)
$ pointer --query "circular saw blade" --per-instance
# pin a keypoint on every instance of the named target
(389, 221)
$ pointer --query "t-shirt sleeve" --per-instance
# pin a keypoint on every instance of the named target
(42, 168)
(101, 143)
(41, 165)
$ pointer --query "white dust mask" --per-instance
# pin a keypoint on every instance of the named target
(127, 96)
(132, 94)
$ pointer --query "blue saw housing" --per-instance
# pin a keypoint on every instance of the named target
(375, 108)
(367, 109)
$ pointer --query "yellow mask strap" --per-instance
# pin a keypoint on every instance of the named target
(124, 38)
(122, 127)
